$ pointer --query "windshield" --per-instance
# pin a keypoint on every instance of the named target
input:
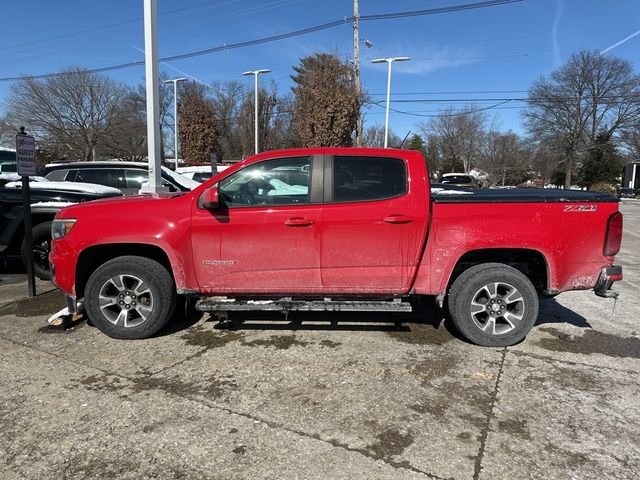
(180, 179)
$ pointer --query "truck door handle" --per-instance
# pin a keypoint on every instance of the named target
(299, 222)
(397, 219)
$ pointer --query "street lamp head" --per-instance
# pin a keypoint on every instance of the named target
(391, 59)
(257, 72)
(176, 80)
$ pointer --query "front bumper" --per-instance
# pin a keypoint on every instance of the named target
(608, 275)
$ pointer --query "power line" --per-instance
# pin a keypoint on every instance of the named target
(282, 36)
(445, 113)
(452, 92)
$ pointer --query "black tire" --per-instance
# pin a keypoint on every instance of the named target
(41, 234)
(117, 279)
(508, 315)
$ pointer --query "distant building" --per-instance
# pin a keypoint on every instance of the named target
(631, 178)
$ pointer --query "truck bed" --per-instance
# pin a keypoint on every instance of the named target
(518, 195)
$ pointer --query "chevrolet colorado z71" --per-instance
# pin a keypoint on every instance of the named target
(335, 229)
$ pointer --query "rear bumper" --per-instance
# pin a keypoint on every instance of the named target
(608, 275)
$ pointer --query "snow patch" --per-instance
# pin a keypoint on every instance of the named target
(14, 177)
(442, 191)
(52, 204)
(181, 179)
(68, 187)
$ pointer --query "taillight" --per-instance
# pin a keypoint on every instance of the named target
(614, 235)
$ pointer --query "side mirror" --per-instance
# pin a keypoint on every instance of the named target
(210, 198)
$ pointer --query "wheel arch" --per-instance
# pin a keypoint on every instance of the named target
(92, 257)
(532, 263)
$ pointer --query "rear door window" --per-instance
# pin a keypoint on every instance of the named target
(110, 177)
(359, 178)
(136, 177)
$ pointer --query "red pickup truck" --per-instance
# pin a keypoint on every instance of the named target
(335, 229)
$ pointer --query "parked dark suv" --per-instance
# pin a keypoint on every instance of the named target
(128, 177)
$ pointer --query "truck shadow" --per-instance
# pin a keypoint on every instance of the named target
(425, 315)
(553, 312)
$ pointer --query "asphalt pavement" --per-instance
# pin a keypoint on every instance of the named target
(325, 396)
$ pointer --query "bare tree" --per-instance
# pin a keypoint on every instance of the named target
(504, 158)
(198, 134)
(227, 99)
(267, 101)
(373, 137)
(458, 136)
(72, 111)
(6, 132)
(127, 139)
(589, 95)
(326, 105)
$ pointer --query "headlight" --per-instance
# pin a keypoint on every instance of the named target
(60, 228)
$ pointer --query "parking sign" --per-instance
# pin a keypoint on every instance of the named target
(26, 155)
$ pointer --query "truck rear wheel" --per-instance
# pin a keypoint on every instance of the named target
(493, 305)
(130, 297)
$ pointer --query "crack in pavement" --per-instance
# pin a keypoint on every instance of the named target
(547, 358)
(275, 425)
(484, 433)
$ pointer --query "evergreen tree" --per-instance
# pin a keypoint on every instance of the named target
(326, 106)
(198, 134)
(601, 164)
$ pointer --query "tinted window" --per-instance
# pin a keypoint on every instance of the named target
(284, 181)
(109, 177)
(58, 175)
(457, 179)
(135, 178)
(8, 167)
(202, 176)
(368, 178)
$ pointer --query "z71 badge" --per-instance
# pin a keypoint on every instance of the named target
(580, 208)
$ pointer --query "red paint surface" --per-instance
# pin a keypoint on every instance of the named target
(365, 248)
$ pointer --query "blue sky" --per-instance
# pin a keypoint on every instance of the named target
(488, 55)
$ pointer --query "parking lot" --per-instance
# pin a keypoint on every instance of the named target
(325, 396)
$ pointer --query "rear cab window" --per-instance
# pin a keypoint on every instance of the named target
(366, 178)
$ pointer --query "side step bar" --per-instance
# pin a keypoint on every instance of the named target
(287, 304)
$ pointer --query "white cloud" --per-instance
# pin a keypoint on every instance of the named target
(428, 58)
(554, 33)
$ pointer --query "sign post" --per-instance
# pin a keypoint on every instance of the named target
(26, 160)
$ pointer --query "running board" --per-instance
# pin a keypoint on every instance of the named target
(287, 304)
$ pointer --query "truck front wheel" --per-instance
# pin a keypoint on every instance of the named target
(493, 305)
(130, 297)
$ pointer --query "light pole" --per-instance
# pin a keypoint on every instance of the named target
(93, 120)
(255, 73)
(175, 115)
(389, 61)
(153, 95)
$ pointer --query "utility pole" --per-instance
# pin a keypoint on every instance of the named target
(255, 73)
(356, 67)
(153, 95)
(175, 115)
(389, 61)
